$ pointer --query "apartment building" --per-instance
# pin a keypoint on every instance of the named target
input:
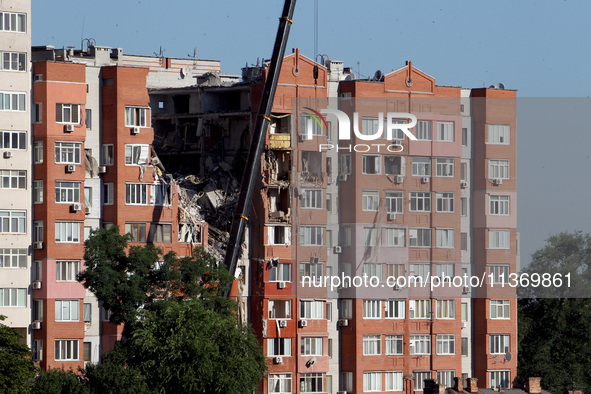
(15, 165)
(94, 167)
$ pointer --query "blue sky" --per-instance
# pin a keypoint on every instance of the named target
(536, 47)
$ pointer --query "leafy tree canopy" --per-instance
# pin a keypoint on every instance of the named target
(17, 370)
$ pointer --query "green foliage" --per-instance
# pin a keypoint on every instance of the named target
(17, 370)
(58, 381)
(555, 331)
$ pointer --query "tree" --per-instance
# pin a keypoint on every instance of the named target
(555, 331)
(17, 370)
(58, 381)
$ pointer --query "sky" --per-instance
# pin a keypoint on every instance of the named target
(535, 47)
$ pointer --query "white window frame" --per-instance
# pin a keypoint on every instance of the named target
(13, 101)
(13, 140)
(272, 231)
(444, 238)
(372, 382)
(66, 113)
(370, 200)
(499, 343)
(108, 193)
(419, 309)
(394, 381)
(372, 309)
(107, 154)
(137, 154)
(13, 297)
(311, 235)
(500, 309)
(499, 204)
(445, 344)
(500, 379)
(66, 350)
(377, 164)
(305, 122)
(420, 202)
(273, 313)
(420, 345)
(312, 309)
(499, 134)
(370, 236)
(499, 239)
(13, 258)
(444, 202)
(394, 345)
(394, 309)
(421, 166)
(13, 222)
(370, 126)
(445, 271)
(67, 192)
(67, 152)
(313, 270)
(67, 310)
(445, 309)
(446, 378)
(137, 194)
(132, 113)
(17, 22)
(311, 199)
(445, 131)
(373, 269)
(424, 130)
(67, 270)
(281, 272)
(37, 152)
(372, 345)
(311, 346)
(499, 169)
(419, 379)
(394, 237)
(498, 271)
(278, 347)
(312, 382)
(394, 202)
(280, 383)
(444, 167)
(419, 234)
(67, 232)
(13, 179)
(37, 192)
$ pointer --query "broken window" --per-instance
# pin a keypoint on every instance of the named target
(162, 193)
(393, 165)
(371, 164)
(279, 235)
(190, 233)
(311, 166)
(279, 309)
(136, 154)
(278, 164)
(278, 203)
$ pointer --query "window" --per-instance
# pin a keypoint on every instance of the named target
(499, 134)
(135, 116)
(421, 166)
(446, 344)
(13, 61)
(372, 309)
(446, 309)
(372, 381)
(13, 179)
(499, 344)
(136, 154)
(108, 193)
(88, 119)
(500, 379)
(66, 310)
(311, 382)
(67, 232)
(419, 309)
(370, 236)
(37, 309)
(446, 378)
(38, 231)
(86, 312)
(394, 344)
(498, 239)
(311, 346)
(311, 309)
(13, 222)
(445, 131)
(37, 112)
(67, 192)
(445, 238)
(37, 192)
(86, 351)
(395, 270)
(67, 271)
(281, 272)
(136, 193)
(160, 232)
(420, 201)
(67, 113)
(498, 169)
(370, 126)
(464, 136)
(13, 297)
(394, 202)
(345, 163)
(66, 349)
(393, 165)
(10, 21)
(345, 309)
(310, 236)
(419, 237)
(464, 346)
(372, 345)
(420, 344)
(87, 230)
(279, 235)
(394, 381)
(372, 269)
(420, 273)
(444, 202)
(370, 200)
(278, 346)
(372, 164)
(280, 383)
(499, 273)
(38, 152)
(394, 237)
(394, 309)
(464, 310)
(15, 140)
(67, 152)
(499, 205)
(12, 101)
(500, 309)
(464, 206)
(423, 130)
(13, 258)
(444, 167)
(107, 155)
(308, 126)
(279, 309)
(312, 199)
(419, 379)
(311, 269)
(464, 241)
(137, 231)
(329, 202)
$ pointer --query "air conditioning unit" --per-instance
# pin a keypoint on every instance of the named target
(76, 206)
(303, 323)
(342, 177)
(398, 179)
(36, 284)
(135, 130)
(281, 285)
(38, 245)
(102, 169)
(464, 184)
(464, 324)
(69, 128)
(87, 210)
(343, 322)
(36, 325)
(282, 323)
(277, 360)
(497, 182)
(425, 179)
(466, 290)
(70, 168)
(7, 155)
(314, 260)
(391, 215)
(337, 249)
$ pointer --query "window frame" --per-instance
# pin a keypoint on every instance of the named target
(445, 202)
(72, 111)
(18, 138)
(9, 219)
(377, 164)
(445, 344)
(499, 204)
(421, 166)
(71, 270)
(71, 348)
(445, 131)
(131, 116)
(65, 149)
(421, 342)
(419, 202)
(11, 100)
(444, 167)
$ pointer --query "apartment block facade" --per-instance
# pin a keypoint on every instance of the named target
(15, 165)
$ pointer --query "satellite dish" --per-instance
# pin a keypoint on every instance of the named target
(378, 75)
(350, 77)
(508, 356)
(185, 71)
(499, 86)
